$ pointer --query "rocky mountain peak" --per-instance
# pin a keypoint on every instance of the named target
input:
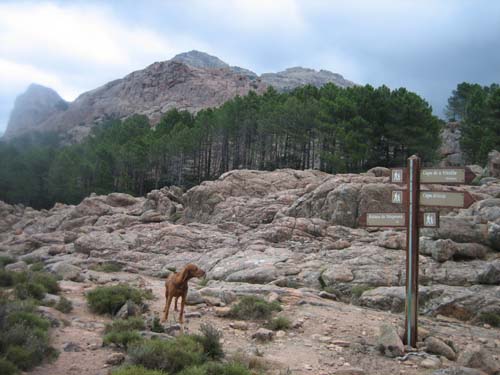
(200, 59)
(32, 108)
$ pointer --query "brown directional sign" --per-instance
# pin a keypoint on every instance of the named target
(383, 219)
(446, 176)
(436, 176)
(446, 199)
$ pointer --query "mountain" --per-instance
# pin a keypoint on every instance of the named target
(32, 108)
(189, 81)
(292, 78)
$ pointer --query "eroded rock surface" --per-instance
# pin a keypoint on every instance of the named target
(268, 230)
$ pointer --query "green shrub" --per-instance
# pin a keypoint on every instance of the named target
(491, 318)
(6, 278)
(157, 326)
(30, 290)
(5, 259)
(217, 368)
(28, 319)
(64, 305)
(109, 299)
(7, 367)
(136, 370)
(48, 281)
(108, 267)
(169, 355)
(210, 340)
(36, 267)
(279, 323)
(122, 325)
(358, 290)
(122, 339)
(253, 308)
(19, 356)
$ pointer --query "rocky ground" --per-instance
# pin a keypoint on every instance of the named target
(294, 233)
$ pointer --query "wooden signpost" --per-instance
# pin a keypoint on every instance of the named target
(412, 198)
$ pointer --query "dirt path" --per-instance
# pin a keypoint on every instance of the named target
(333, 335)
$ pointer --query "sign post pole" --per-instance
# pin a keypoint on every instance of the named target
(412, 237)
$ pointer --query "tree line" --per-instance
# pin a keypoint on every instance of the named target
(478, 110)
(332, 129)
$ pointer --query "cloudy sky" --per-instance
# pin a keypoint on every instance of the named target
(426, 46)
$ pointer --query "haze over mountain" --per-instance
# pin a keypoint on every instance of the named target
(190, 81)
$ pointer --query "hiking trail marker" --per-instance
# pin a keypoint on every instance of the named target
(411, 198)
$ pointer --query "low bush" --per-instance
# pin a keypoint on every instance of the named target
(36, 267)
(122, 339)
(358, 290)
(109, 299)
(122, 325)
(253, 308)
(279, 323)
(24, 340)
(28, 319)
(47, 280)
(217, 368)
(7, 367)
(5, 259)
(30, 290)
(123, 332)
(170, 355)
(210, 340)
(6, 278)
(64, 305)
(108, 267)
(157, 326)
(136, 370)
(491, 318)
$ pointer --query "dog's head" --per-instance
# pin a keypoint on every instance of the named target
(192, 270)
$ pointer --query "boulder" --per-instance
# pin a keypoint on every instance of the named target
(17, 266)
(491, 275)
(437, 346)
(67, 271)
(127, 310)
(459, 370)
(494, 235)
(494, 164)
(477, 357)
(389, 343)
(379, 171)
(114, 359)
(263, 334)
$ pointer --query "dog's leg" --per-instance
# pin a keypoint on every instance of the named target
(166, 299)
(167, 307)
(183, 301)
(175, 305)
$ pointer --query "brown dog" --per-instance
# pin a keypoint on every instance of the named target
(176, 286)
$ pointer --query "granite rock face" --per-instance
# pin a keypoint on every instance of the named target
(32, 109)
(256, 232)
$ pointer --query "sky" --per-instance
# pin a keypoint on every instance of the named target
(427, 46)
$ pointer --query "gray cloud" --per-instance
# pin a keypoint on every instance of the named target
(426, 46)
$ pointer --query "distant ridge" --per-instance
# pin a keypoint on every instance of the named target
(189, 81)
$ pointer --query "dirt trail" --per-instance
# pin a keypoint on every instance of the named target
(333, 336)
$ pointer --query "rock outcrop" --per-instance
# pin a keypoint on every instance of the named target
(32, 109)
(260, 231)
(292, 78)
